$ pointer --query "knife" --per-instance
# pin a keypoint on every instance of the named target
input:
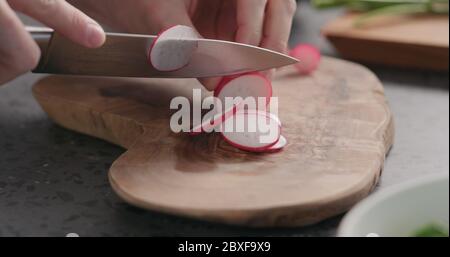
(125, 55)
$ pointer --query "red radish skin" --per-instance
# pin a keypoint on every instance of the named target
(264, 90)
(246, 85)
(184, 32)
(244, 89)
(217, 121)
(280, 145)
(309, 57)
(251, 145)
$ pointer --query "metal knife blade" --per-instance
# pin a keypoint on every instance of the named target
(125, 55)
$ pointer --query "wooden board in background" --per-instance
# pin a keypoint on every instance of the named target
(420, 42)
(337, 121)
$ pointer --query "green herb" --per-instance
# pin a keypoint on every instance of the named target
(431, 231)
(373, 8)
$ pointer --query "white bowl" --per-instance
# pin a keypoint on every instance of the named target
(400, 211)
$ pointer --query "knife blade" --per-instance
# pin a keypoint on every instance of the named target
(126, 55)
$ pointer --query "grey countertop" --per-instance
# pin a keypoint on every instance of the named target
(54, 182)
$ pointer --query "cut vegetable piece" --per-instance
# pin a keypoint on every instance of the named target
(173, 48)
(271, 115)
(237, 88)
(282, 142)
(217, 120)
(309, 57)
(253, 85)
(251, 131)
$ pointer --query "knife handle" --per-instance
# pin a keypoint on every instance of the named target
(41, 35)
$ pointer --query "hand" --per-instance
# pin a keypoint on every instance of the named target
(265, 23)
(18, 51)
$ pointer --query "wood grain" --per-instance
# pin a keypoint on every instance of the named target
(337, 121)
(405, 41)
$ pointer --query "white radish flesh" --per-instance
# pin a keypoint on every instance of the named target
(173, 48)
(252, 131)
(282, 142)
(248, 129)
(253, 85)
(271, 115)
(211, 124)
(248, 85)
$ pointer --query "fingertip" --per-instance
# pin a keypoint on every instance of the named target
(95, 35)
(34, 57)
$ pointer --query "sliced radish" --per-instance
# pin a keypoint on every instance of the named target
(271, 115)
(242, 86)
(247, 131)
(215, 121)
(309, 57)
(253, 85)
(173, 48)
(282, 142)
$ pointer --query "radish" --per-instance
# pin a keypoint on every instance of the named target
(309, 57)
(271, 116)
(252, 129)
(246, 131)
(215, 121)
(253, 85)
(173, 48)
(248, 85)
(282, 142)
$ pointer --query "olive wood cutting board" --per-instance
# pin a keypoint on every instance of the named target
(337, 121)
(411, 41)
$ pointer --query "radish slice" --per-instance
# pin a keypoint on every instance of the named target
(247, 85)
(211, 124)
(278, 146)
(252, 131)
(271, 115)
(173, 48)
(253, 85)
(309, 57)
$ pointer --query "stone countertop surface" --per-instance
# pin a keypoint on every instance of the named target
(54, 181)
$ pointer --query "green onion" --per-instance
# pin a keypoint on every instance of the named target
(391, 10)
(431, 231)
(373, 8)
